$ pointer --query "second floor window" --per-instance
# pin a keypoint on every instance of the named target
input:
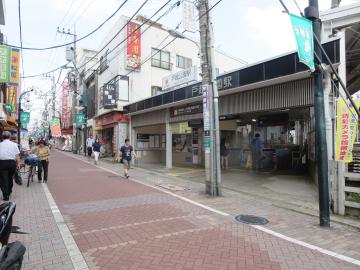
(160, 59)
(183, 62)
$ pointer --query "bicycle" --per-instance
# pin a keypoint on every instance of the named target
(32, 162)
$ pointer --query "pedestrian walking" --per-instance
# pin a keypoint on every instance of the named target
(96, 149)
(89, 146)
(126, 153)
(43, 153)
(9, 161)
(31, 142)
(224, 154)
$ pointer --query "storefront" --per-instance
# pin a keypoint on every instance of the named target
(111, 129)
(273, 98)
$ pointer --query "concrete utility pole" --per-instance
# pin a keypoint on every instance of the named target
(210, 103)
(312, 13)
(75, 145)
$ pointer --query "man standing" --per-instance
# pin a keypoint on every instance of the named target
(126, 153)
(258, 153)
(89, 146)
(9, 160)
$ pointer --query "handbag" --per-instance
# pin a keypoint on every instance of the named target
(17, 178)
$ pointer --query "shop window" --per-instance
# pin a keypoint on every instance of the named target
(183, 62)
(160, 59)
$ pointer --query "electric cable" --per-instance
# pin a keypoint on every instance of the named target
(69, 43)
(85, 9)
(301, 13)
(74, 15)
(139, 27)
(122, 28)
(21, 41)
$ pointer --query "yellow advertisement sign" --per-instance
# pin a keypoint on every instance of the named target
(11, 96)
(346, 130)
(15, 67)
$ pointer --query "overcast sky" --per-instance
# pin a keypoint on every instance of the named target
(252, 30)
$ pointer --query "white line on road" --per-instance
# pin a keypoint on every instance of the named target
(76, 257)
(263, 229)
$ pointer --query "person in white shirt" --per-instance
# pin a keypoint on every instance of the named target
(89, 146)
(9, 161)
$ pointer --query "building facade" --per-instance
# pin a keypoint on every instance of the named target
(135, 69)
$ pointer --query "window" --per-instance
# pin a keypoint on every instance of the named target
(155, 90)
(160, 59)
(183, 62)
(104, 62)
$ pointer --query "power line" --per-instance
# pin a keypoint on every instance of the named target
(21, 41)
(74, 15)
(122, 28)
(72, 3)
(66, 44)
(44, 73)
(125, 39)
(85, 9)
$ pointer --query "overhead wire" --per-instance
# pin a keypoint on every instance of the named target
(136, 29)
(21, 40)
(74, 15)
(79, 39)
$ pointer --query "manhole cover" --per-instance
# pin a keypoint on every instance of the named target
(253, 220)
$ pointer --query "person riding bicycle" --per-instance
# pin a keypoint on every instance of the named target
(43, 152)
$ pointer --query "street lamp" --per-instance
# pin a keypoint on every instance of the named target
(177, 34)
(19, 112)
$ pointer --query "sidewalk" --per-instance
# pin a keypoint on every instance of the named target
(45, 248)
(123, 224)
(339, 238)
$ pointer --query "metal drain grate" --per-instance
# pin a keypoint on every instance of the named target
(252, 220)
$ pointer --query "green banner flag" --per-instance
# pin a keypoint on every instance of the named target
(80, 119)
(5, 59)
(24, 118)
(303, 32)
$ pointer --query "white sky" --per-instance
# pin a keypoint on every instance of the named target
(252, 30)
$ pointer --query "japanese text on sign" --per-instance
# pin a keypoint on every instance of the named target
(133, 59)
(346, 129)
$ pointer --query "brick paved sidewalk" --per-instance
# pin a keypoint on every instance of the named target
(339, 238)
(44, 243)
(121, 224)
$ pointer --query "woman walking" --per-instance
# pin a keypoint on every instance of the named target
(43, 153)
(96, 149)
(224, 154)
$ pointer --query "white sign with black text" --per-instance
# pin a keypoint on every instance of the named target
(184, 76)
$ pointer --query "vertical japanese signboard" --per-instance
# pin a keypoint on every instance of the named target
(188, 16)
(15, 67)
(346, 130)
(11, 98)
(64, 103)
(133, 59)
(55, 127)
(206, 114)
(5, 57)
(9, 65)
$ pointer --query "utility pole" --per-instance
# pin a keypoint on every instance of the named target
(210, 103)
(312, 13)
(75, 145)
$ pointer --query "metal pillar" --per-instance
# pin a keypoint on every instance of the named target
(168, 156)
(312, 13)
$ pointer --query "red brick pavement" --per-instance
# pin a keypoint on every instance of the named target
(120, 224)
